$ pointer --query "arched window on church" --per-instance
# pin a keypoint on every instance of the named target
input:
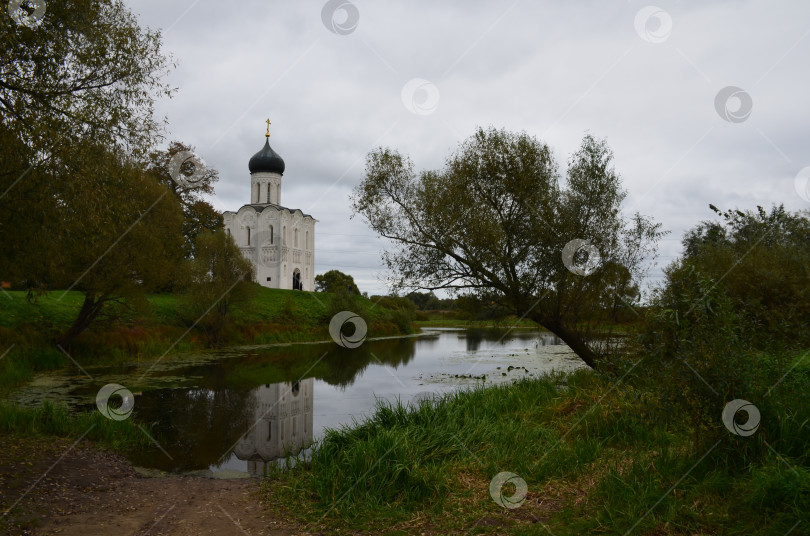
(268, 193)
(271, 235)
(248, 235)
(306, 243)
(295, 238)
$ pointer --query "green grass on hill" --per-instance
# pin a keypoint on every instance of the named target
(124, 333)
(54, 311)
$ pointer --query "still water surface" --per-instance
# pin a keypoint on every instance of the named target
(231, 412)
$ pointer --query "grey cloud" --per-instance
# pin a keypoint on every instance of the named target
(555, 70)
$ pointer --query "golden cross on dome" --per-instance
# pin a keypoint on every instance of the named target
(268, 127)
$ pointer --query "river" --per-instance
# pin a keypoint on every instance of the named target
(230, 412)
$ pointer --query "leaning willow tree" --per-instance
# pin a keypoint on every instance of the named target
(497, 221)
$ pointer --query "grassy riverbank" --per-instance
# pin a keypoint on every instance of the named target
(452, 319)
(595, 454)
(438, 321)
(55, 420)
(161, 325)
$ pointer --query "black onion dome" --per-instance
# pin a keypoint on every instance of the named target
(266, 160)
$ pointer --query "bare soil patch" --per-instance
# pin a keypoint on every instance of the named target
(51, 488)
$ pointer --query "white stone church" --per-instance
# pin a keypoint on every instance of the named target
(279, 241)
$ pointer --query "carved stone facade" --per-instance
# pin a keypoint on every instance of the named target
(279, 241)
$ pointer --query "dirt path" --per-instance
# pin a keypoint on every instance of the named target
(88, 492)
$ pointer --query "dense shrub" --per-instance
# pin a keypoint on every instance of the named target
(761, 260)
(728, 323)
(341, 301)
(400, 311)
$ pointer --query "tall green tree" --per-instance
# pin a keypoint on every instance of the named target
(496, 219)
(181, 158)
(199, 217)
(620, 294)
(424, 300)
(335, 281)
(79, 82)
(118, 235)
(180, 170)
(86, 68)
(220, 279)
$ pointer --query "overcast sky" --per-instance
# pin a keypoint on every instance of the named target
(340, 78)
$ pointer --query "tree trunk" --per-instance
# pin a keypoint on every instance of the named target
(91, 307)
(574, 341)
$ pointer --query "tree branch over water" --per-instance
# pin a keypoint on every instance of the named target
(496, 220)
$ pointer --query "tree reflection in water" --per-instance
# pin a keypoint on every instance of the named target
(193, 426)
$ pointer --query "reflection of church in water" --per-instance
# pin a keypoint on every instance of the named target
(283, 424)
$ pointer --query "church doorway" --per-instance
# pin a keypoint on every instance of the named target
(296, 280)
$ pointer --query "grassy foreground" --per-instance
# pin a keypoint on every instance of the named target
(594, 460)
